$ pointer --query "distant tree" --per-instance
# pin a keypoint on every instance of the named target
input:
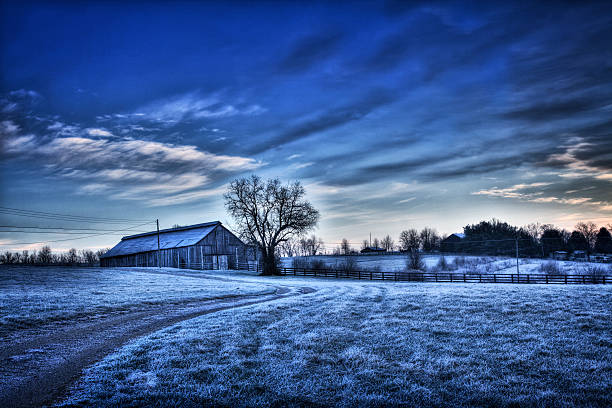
(311, 246)
(345, 246)
(176, 226)
(577, 242)
(365, 243)
(552, 240)
(8, 258)
(25, 256)
(376, 243)
(45, 256)
(89, 257)
(430, 240)
(603, 241)
(387, 243)
(410, 239)
(33, 257)
(72, 256)
(589, 231)
(269, 213)
(17, 257)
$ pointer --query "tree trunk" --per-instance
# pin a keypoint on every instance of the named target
(269, 264)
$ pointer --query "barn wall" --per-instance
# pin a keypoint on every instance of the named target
(220, 248)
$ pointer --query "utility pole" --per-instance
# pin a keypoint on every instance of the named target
(517, 263)
(370, 239)
(158, 251)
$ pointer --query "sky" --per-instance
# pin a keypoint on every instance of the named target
(393, 115)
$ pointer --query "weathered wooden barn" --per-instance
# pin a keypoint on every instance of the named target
(202, 246)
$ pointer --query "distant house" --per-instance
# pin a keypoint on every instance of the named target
(201, 246)
(560, 255)
(452, 243)
(371, 249)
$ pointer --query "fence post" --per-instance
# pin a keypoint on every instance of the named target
(566, 279)
(480, 278)
(464, 278)
(527, 278)
(546, 278)
(370, 275)
(358, 275)
(494, 278)
(436, 276)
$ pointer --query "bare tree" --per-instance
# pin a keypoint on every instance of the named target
(387, 243)
(410, 239)
(311, 246)
(44, 255)
(365, 244)
(376, 243)
(429, 239)
(73, 257)
(89, 257)
(345, 246)
(8, 258)
(269, 213)
(589, 230)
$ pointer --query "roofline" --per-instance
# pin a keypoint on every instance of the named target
(187, 227)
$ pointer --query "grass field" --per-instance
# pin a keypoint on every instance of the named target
(31, 296)
(374, 344)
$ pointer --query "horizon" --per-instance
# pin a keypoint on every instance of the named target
(438, 114)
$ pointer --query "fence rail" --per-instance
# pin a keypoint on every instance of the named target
(245, 266)
(448, 277)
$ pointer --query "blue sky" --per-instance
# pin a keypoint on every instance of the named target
(393, 115)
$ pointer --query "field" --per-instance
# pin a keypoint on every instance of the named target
(33, 296)
(459, 264)
(349, 343)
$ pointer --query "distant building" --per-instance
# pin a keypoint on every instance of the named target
(200, 246)
(560, 255)
(452, 243)
(372, 249)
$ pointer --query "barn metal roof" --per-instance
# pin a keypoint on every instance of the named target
(168, 238)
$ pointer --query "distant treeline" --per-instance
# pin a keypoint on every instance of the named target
(47, 257)
(492, 237)
(500, 238)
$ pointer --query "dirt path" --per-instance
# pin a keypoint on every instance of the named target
(39, 366)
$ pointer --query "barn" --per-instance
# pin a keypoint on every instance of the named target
(452, 243)
(201, 246)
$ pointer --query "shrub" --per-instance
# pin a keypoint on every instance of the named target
(348, 265)
(595, 272)
(550, 268)
(459, 262)
(442, 264)
(414, 261)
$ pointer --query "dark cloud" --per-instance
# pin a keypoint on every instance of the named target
(308, 51)
(543, 111)
(330, 119)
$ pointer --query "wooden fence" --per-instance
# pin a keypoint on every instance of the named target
(417, 276)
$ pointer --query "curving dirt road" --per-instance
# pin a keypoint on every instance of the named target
(39, 366)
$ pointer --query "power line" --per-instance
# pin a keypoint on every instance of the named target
(58, 228)
(64, 217)
(110, 232)
(73, 239)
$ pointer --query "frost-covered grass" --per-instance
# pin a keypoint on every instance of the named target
(459, 264)
(373, 344)
(30, 296)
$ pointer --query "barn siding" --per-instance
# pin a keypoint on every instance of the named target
(217, 249)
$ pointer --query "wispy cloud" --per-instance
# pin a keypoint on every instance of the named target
(195, 106)
(131, 169)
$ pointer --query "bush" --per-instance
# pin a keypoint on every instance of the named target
(551, 268)
(414, 261)
(595, 272)
(459, 262)
(443, 265)
(348, 265)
